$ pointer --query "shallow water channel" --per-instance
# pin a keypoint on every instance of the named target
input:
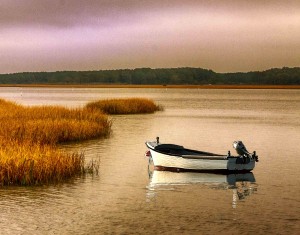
(127, 197)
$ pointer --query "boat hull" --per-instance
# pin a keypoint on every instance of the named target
(164, 160)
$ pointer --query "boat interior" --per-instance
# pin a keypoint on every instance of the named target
(178, 150)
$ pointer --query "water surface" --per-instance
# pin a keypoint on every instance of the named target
(128, 198)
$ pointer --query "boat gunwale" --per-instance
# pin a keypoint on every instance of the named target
(202, 155)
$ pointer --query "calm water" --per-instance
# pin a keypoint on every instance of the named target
(128, 198)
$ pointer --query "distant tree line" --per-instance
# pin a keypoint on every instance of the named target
(165, 76)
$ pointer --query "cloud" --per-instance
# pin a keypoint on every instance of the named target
(55, 13)
(64, 13)
(227, 35)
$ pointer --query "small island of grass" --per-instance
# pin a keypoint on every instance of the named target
(125, 106)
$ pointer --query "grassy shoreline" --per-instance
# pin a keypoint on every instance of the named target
(154, 86)
(30, 135)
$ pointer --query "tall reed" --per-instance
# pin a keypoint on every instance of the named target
(35, 164)
(125, 106)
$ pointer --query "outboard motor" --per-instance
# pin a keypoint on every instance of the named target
(240, 148)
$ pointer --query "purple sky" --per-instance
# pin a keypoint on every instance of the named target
(225, 36)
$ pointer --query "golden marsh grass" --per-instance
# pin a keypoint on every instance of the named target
(28, 139)
(51, 124)
(35, 164)
(124, 106)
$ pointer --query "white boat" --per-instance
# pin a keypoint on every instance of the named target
(175, 157)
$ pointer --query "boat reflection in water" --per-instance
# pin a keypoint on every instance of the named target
(242, 185)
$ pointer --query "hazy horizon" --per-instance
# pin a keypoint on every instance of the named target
(43, 71)
(231, 36)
